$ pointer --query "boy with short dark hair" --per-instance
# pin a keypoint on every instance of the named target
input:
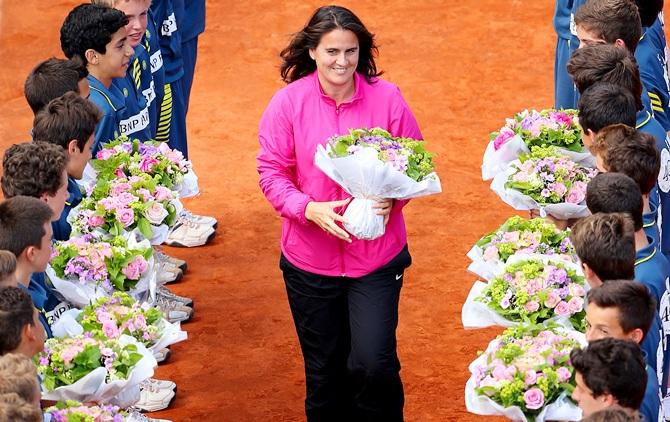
(617, 23)
(604, 104)
(68, 123)
(20, 329)
(25, 231)
(97, 36)
(624, 310)
(7, 269)
(622, 149)
(52, 78)
(605, 245)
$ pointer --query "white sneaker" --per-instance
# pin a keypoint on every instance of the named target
(200, 219)
(187, 234)
(153, 399)
(162, 355)
(161, 256)
(174, 311)
(158, 384)
(166, 293)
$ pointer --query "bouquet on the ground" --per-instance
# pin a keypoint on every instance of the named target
(518, 236)
(525, 374)
(531, 289)
(89, 369)
(123, 157)
(111, 317)
(74, 411)
(529, 128)
(86, 268)
(546, 180)
(125, 204)
(370, 164)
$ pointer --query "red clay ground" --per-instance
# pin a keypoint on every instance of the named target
(462, 66)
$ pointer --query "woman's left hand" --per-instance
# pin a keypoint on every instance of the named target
(383, 207)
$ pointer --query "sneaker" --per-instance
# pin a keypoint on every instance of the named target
(165, 292)
(162, 355)
(174, 311)
(159, 384)
(167, 273)
(161, 256)
(153, 399)
(135, 416)
(200, 219)
(187, 234)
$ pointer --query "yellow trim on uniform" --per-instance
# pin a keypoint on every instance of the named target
(645, 121)
(650, 224)
(109, 100)
(646, 258)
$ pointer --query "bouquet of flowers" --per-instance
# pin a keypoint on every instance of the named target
(529, 128)
(125, 204)
(86, 268)
(372, 164)
(518, 236)
(525, 375)
(530, 289)
(546, 180)
(74, 411)
(88, 369)
(111, 317)
(124, 158)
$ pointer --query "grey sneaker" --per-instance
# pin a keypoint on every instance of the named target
(167, 273)
(188, 234)
(200, 219)
(161, 256)
(162, 355)
(174, 311)
(166, 293)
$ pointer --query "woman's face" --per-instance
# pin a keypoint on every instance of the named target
(336, 58)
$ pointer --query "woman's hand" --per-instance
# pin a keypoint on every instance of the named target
(384, 207)
(323, 215)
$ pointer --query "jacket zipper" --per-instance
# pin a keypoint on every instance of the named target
(342, 267)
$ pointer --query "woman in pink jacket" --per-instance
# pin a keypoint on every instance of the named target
(343, 292)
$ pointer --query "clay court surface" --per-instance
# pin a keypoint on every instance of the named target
(462, 66)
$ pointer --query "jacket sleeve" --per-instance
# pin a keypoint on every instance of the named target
(276, 162)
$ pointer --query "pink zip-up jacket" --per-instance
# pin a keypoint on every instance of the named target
(300, 117)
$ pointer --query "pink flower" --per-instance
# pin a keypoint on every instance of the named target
(146, 195)
(576, 304)
(491, 253)
(163, 193)
(125, 216)
(105, 154)
(562, 118)
(119, 188)
(126, 198)
(501, 372)
(119, 172)
(563, 374)
(562, 308)
(577, 193)
(147, 163)
(552, 300)
(155, 213)
(95, 221)
(531, 377)
(110, 329)
(135, 268)
(534, 398)
(532, 306)
(504, 135)
(576, 290)
(559, 188)
(109, 204)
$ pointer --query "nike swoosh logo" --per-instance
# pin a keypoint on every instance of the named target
(398, 277)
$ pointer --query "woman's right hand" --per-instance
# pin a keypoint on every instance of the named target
(323, 215)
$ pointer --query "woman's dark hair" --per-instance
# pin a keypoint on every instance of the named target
(296, 61)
